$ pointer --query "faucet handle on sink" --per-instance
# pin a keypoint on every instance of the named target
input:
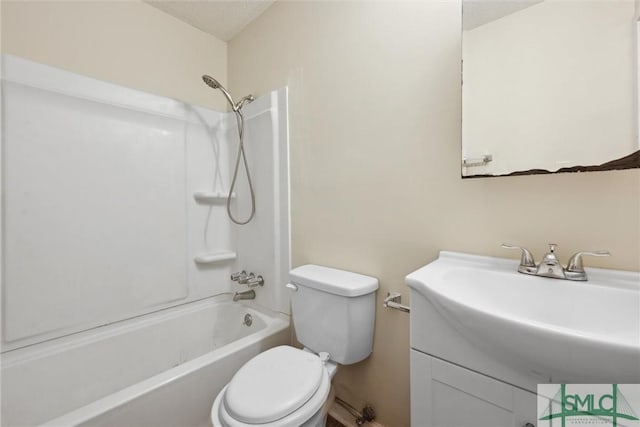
(575, 262)
(527, 258)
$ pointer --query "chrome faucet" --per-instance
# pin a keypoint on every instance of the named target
(550, 265)
(240, 277)
(250, 294)
(253, 281)
(250, 279)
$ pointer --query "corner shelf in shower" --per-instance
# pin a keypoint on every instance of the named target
(211, 196)
(214, 257)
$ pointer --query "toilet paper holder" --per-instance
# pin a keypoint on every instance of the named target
(394, 300)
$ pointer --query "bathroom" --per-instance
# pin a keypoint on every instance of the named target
(373, 125)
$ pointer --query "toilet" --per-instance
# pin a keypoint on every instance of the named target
(333, 313)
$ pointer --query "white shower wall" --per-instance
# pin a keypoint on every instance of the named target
(99, 219)
(263, 244)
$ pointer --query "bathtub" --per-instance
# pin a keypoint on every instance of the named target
(161, 369)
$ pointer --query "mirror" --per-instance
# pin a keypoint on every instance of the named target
(549, 86)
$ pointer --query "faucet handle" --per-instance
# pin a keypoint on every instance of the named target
(253, 281)
(575, 262)
(527, 258)
(239, 276)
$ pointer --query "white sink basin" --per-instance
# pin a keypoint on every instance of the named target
(566, 331)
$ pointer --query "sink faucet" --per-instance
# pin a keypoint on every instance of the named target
(550, 265)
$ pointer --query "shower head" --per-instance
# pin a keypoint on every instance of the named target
(214, 84)
(211, 82)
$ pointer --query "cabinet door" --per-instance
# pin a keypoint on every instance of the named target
(446, 395)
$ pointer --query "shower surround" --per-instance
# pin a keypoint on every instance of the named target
(114, 212)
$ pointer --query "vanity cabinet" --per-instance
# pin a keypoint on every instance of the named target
(447, 395)
(483, 337)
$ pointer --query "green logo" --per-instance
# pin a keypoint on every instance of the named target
(588, 407)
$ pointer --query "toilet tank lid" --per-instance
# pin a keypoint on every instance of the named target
(334, 281)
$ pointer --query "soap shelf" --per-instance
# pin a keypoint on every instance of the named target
(213, 257)
(211, 196)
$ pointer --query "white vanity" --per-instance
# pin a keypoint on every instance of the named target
(483, 336)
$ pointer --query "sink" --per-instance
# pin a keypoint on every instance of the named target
(562, 330)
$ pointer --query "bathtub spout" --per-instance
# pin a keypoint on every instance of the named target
(250, 294)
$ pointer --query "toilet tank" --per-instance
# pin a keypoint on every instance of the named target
(334, 311)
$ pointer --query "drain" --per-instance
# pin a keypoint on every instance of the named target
(248, 320)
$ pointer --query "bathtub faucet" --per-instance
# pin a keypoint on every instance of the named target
(250, 294)
(240, 277)
(247, 279)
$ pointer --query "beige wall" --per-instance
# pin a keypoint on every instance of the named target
(375, 142)
(124, 42)
(375, 164)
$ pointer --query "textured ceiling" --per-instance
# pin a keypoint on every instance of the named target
(479, 12)
(220, 18)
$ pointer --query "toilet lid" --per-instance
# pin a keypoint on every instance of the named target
(272, 385)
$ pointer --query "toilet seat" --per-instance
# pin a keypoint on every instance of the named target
(281, 387)
(272, 385)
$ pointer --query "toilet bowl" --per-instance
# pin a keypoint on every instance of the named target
(281, 387)
(333, 312)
